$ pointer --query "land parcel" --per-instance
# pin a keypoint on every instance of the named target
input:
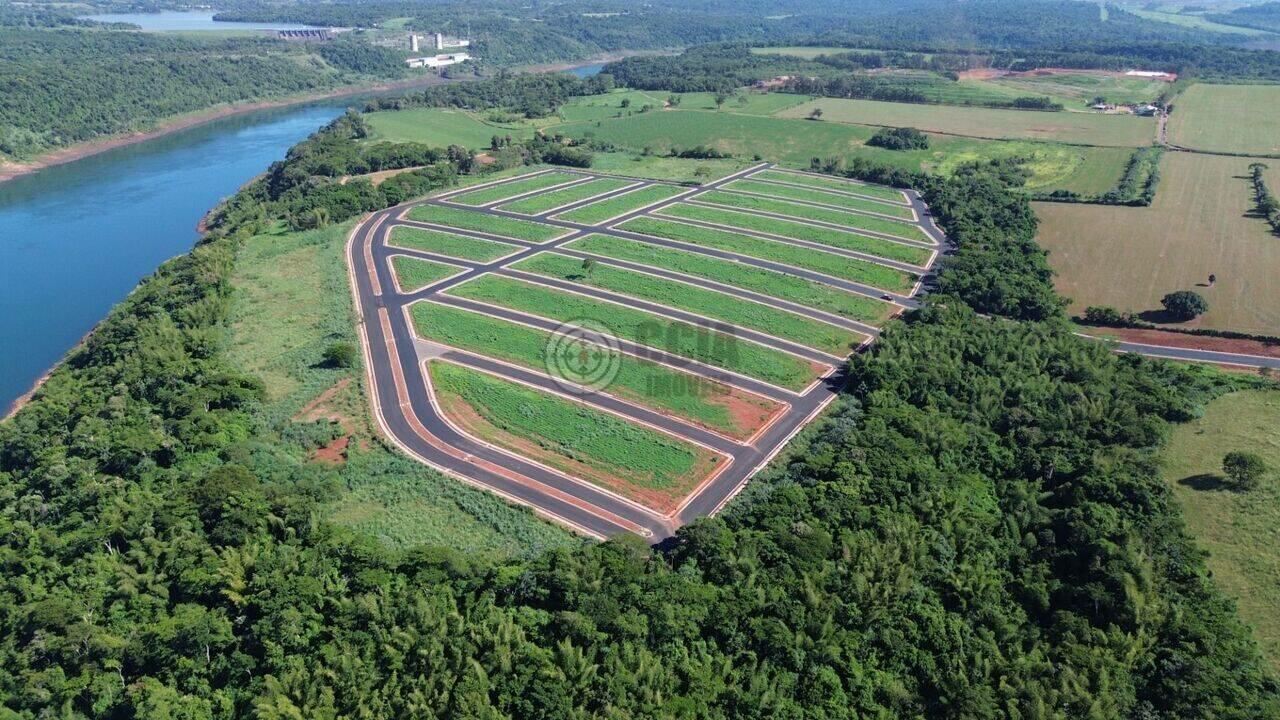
(1200, 223)
(1228, 118)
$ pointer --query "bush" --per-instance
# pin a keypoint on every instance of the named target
(340, 355)
(900, 139)
(1103, 315)
(1185, 305)
(1244, 469)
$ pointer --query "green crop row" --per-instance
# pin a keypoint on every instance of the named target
(848, 202)
(709, 303)
(639, 381)
(876, 191)
(839, 266)
(482, 222)
(570, 430)
(414, 274)
(494, 193)
(766, 282)
(678, 338)
(787, 228)
(598, 212)
(443, 243)
(543, 202)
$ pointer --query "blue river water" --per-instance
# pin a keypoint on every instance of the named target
(76, 238)
(186, 20)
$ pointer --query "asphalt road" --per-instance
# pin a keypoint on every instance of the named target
(407, 412)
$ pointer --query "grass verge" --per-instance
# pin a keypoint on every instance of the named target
(414, 274)
(828, 263)
(833, 184)
(703, 402)
(678, 338)
(726, 308)
(601, 210)
(476, 221)
(543, 202)
(801, 231)
(849, 202)
(443, 243)
(494, 193)
(580, 441)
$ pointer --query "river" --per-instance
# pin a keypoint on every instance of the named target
(187, 20)
(76, 238)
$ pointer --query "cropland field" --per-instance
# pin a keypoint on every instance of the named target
(1200, 223)
(443, 243)
(675, 337)
(808, 195)
(733, 218)
(800, 211)
(630, 459)
(414, 274)
(795, 256)
(1228, 118)
(794, 289)
(478, 222)
(542, 202)
(793, 142)
(1241, 530)
(602, 210)
(1078, 89)
(708, 303)
(439, 127)
(718, 407)
(829, 184)
(502, 191)
(1083, 128)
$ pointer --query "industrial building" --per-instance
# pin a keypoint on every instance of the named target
(437, 61)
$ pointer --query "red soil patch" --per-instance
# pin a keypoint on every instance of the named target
(663, 500)
(335, 453)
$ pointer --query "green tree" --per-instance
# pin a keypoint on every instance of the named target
(1185, 305)
(815, 114)
(1244, 469)
(340, 355)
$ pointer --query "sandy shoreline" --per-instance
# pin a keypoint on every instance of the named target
(8, 171)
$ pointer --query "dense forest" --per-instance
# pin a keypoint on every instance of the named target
(977, 531)
(65, 86)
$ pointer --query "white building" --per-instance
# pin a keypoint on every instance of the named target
(415, 43)
(437, 61)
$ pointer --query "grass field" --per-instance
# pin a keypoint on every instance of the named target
(833, 184)
(848, 202)
(1076, 90)
(414, 274)
(747, 102)
(708, 303)
(766, 282)
(794, 143)
(439, 127)
(708, 403)
(291, 300)
(1084, 128)
(1199, 224)
(597, 107)
(678, 338)
(788, 229)
(1195, 22)
(601, 210)
(1241, 530)
(850, 220)
(1228, 118)
(526, 230)
(494, 193)
(543, 202)
(580, 441)
(443, 243)
(802, 51)
(657, 167)
(827, 263)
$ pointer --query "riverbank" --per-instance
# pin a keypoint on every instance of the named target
(9, 171)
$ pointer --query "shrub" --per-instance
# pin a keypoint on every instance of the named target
(340, 355)
(1103, 315)
(1185, 304)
